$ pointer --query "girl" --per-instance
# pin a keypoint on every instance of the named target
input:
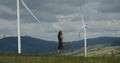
(60, 44)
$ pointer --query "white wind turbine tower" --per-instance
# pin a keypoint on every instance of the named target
(18, 25)
(85, 36)
(18, 21)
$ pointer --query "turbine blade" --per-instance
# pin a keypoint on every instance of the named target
(23, 3)
(83, 20)
(80, 30)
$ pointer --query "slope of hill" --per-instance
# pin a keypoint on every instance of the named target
(28, 44)
(97, 50)
(114, 41)
(35, 45)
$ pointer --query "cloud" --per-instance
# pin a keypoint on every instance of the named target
(105, 6)
(48, 10)
(102, 17)
(5, 9)
(103, 28)
(7, 13)
(8, 27)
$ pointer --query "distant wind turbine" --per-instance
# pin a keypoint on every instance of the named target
(85, 36)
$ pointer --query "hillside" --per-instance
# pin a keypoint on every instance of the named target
(114, 41)
(97, 50)
(28, 44)
(35, 45)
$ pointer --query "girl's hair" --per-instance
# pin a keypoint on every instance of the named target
(59, 33)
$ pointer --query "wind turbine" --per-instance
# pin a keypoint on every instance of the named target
(18, 26)
(18, 21)
(85, 36)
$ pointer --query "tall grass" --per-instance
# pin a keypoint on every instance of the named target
(48, 58)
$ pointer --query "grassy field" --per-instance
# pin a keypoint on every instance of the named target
(47, 58)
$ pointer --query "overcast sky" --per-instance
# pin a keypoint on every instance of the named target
(101, 16)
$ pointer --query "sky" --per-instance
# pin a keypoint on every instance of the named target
(101, 16)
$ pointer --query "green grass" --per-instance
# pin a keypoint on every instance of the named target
(48, 58)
